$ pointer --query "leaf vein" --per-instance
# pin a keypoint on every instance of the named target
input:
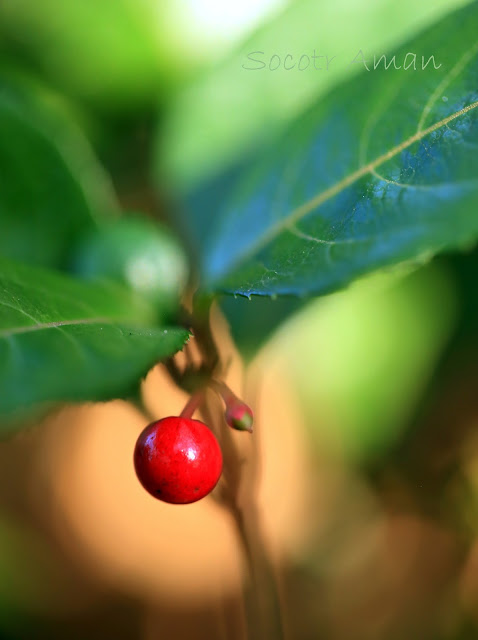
(447, 80)
(52, 325)
(301, 211)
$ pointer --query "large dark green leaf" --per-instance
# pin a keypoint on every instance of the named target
(382, 171)
(251, 322)
(235, 105)
(64, 340)
(51, 186)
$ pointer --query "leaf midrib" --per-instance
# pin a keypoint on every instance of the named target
(300, 212)
(6, 333)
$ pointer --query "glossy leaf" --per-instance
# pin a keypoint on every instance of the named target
(382, 171)
(65, 340)
(229, 109)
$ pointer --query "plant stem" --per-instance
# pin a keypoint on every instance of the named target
(223, 390)
(201, 325)
(263, 591)
(263, 619)
(192, 404)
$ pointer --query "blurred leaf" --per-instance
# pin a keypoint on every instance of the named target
(381, 172)
(51, 185)
(137, 252)
(115, 54)
(228, 110)
(64, 340)
(361, 358)
(253, 321)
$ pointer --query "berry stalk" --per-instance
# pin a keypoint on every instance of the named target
(238, 414)
(192, 404)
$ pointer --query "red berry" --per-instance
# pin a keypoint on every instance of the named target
(178, 460)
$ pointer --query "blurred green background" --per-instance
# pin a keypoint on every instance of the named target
(145, 100)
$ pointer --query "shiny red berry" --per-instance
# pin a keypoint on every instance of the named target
(178, 460)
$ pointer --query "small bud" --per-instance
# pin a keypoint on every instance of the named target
(239, 416)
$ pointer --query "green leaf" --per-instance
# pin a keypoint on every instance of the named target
(382, 171)
(65, 340)
(112, 55)
(251, 322)
(361, 359)
(228, 109)
(51, 186)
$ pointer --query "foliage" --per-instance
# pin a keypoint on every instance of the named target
(378, 173)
